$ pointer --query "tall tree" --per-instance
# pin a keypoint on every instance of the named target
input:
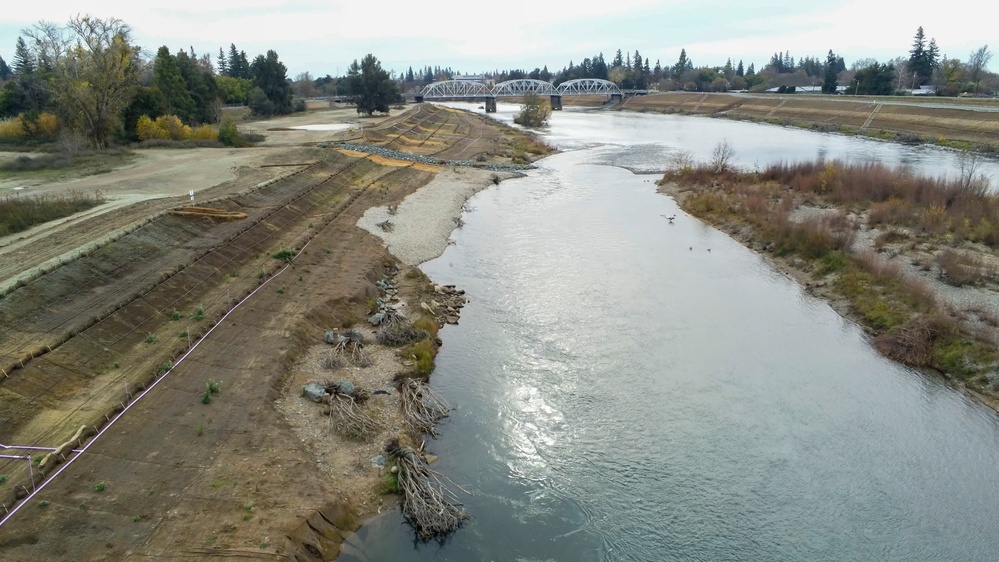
(168, 80)
(977, 61)
(271, 76)
(95, 72)
(618, 59)
(371, 86)
(222, 63)
(682, 64)
(739, 70)
(5, 71)
(201, 85)
(832, 71)
(922, 60)
(24, 61)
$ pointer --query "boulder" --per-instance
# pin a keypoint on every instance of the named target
(345, 387)
(314, 391)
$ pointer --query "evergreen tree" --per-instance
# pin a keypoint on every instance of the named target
(682, 64)
(618, 59)
(167, 78)
(922, 60)
(24, 61)
(832, 71)
(5, 70)
(728, 71)
(739, 70)
(270, 75)
(409, 75)
(752, 69)
(201, 86)
(874, 80)
(222, 63)
(371, 86)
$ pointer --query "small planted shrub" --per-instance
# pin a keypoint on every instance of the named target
(199, 313)
(283, 254)
(100, 486)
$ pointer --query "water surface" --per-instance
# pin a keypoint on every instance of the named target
(628, 389)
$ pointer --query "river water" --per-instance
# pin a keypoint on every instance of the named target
(628, 389)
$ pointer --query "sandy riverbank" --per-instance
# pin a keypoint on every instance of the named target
(419, 228)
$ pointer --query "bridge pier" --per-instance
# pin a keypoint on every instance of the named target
(490, 105)
(615, 98)
(419, 98)
(556, 102)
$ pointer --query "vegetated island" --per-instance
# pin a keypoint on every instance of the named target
(912, 259)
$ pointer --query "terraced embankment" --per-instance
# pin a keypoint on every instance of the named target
(957, 123)
(174, 477)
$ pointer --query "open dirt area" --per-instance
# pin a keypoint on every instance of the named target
(142, 302)
(975, 122)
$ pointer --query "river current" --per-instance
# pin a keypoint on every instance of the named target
(631, 389)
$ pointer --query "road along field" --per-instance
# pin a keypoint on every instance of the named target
(174, 477)
(906, 119)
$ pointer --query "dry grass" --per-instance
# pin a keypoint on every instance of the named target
(961, 268)
(21, 213)
(901, 310)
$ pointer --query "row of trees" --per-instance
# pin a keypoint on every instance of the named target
(923, 66)
(92, 76)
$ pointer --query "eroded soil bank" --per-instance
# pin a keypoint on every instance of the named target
(251, 470)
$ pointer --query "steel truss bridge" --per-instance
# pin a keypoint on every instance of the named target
(471, 89)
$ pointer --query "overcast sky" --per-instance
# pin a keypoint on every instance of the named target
(322, 36)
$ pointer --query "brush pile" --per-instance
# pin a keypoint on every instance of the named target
(421, 406)
(345, 414)
(348, 348)
(427, 503)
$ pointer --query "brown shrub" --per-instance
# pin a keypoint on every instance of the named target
(959, 268)
(912, 342)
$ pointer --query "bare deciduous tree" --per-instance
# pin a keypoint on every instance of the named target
(977, 61)
(721, 156)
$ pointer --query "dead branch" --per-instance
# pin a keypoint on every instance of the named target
(427, 503)
(348, 419)
(422, 407)
(348, 347)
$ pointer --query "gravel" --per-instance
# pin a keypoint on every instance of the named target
(389, 153)
(424, 220)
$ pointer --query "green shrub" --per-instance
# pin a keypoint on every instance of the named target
(283, 254)
(229, 134)
(422, 354)
(100, 486)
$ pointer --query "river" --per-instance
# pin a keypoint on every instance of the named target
(628, 389)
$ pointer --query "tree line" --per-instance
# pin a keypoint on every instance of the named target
(923, 67)
(92, 78)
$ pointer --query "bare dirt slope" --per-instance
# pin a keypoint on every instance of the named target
(176, 478)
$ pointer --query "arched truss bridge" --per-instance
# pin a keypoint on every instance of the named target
(511, 88)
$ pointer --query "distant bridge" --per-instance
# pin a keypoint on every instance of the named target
(472, 89)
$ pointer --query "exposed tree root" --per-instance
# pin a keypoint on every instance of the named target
(429, 506)
(421, 406)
